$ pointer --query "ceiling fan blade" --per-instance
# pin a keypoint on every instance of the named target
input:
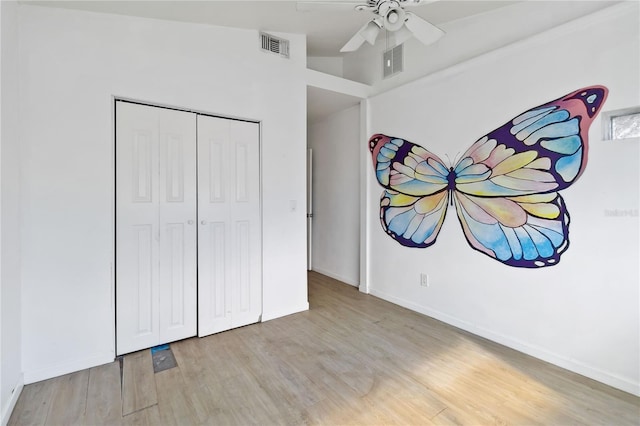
(402, 35)
(356, 41)
(424, 31)
(369, 33)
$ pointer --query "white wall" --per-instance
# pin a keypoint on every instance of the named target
(465, 38)
(336, 186)
(582, 314)
(71, 64)
(327, 64)
(10, 330)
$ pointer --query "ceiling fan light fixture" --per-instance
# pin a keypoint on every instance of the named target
(370, 32)
(391, 16)
(394, 19)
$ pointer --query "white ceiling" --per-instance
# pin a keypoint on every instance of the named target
(327, 28)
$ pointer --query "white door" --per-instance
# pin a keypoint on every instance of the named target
(229, 245)
(155, 226)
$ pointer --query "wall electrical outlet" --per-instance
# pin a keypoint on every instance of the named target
(424, 280)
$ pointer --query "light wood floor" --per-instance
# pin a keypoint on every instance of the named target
(351, 359)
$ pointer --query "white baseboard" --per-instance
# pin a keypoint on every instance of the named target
(8, 408)
(283, 313)
(67, 367)
(573, 365)
(335, 276)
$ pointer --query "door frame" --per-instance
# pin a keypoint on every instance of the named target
(113, 101)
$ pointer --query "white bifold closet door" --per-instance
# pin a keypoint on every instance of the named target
(188, 225)
(156, 291)
(229, 228)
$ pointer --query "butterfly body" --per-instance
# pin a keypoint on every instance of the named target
(504, 187)
(451, 179)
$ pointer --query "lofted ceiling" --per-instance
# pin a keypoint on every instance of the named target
(328, 24)
(327, 28)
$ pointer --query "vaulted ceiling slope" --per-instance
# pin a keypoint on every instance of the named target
(473, 27)
(327, 28)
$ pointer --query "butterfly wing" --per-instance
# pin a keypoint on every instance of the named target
(529, 231)
(542, 150)
(507, 183)
(413, 221)
(414, 203)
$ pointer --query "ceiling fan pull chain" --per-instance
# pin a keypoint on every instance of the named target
(386, 36)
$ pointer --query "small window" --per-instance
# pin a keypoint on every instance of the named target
(621, 124)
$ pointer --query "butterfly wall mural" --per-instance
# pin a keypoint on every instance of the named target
(505, 187)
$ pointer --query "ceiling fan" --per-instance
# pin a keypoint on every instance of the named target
(391, 16)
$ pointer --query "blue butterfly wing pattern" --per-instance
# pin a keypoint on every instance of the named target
(507, 183)
(413, 221)
(542, 150)
(414, 203)
(529, 231)
(505, 186)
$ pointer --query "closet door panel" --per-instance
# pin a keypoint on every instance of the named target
(178, 289)
(155, 226)
(214, 273)
(245, 222)
(137, 228)
(229, 250)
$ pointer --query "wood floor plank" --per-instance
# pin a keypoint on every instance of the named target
(138, 382)
(351, 359)
(33, 405)
(174, 403)
(255, 407)
(149, 416)
(69, 399)
(104, 398)
(196, 376)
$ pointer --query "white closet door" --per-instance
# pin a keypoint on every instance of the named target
(155, 226)
(229, 246)
(178, 227)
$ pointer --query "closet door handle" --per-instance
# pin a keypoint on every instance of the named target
(190, 222)
(203, 222)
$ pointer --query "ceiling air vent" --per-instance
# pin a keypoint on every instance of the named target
(276, 45)
(392, 61)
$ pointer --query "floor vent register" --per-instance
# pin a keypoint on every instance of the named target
(163, 358)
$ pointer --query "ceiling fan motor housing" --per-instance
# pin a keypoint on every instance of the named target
(391, 16)
(392, 13)
(394, 19)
